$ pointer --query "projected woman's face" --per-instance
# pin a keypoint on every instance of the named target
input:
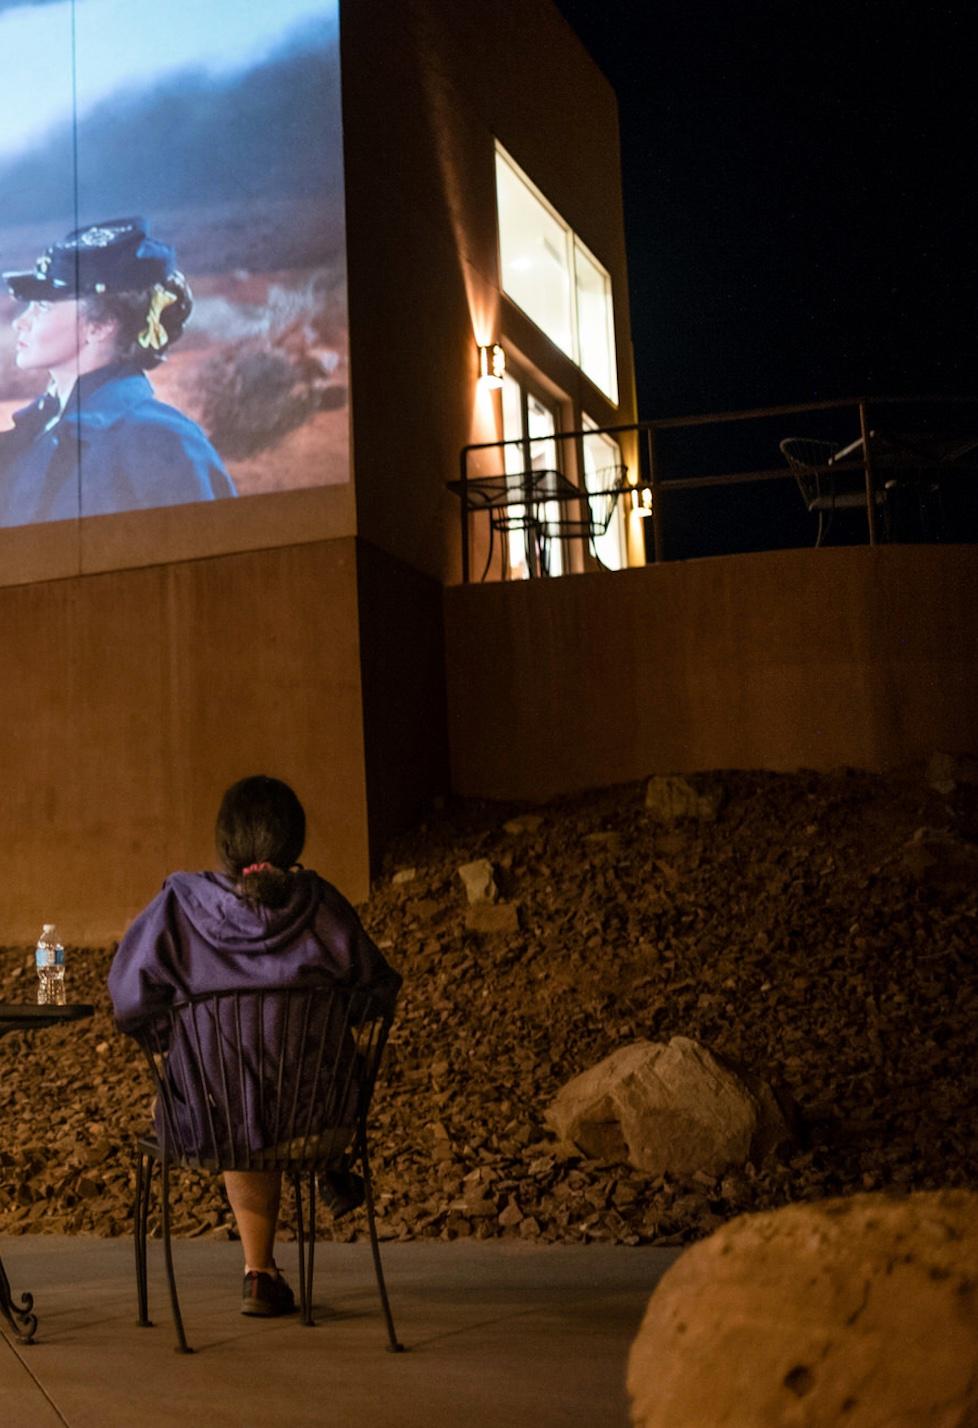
(48, 335)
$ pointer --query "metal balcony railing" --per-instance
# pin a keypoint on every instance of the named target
(877, 441)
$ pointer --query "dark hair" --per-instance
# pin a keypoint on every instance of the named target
(260, 820)
(130, 310)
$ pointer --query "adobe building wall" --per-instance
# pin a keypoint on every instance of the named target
(783, 660)
(402, 664)
(428, 85)
(131, 700)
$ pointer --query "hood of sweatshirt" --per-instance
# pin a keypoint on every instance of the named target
(218, 915)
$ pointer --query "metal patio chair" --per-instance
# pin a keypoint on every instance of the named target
(823, 491)
(271, 1079)
(589, 518)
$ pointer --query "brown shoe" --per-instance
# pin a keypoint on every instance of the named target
(266, 1294)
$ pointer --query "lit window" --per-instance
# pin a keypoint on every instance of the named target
(595, 322)
(535, 257)
(548, 272)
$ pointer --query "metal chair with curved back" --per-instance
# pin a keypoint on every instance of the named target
(270, 1079)
(823, 491)
(596, 504)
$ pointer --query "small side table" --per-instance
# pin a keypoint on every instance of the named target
(25, 1016)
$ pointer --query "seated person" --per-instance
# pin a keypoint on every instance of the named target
(264, 922)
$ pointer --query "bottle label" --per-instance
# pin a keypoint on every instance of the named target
(49, 957)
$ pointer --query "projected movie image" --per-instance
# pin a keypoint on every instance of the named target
(173, 323)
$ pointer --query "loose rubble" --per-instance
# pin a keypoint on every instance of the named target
(480, 884)
(788, 932)
(668, 799)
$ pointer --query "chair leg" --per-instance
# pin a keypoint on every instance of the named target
(182, 1346)
(140, 1229)
(305, 1289)
(311, 1261)
(492, 536)
(393, 1346)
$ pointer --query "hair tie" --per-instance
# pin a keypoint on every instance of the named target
(258, 868)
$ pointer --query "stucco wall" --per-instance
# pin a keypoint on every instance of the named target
(402, 663)
(427, 87)
(788, 659)
(130, 700)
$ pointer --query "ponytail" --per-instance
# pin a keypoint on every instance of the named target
(265, 884)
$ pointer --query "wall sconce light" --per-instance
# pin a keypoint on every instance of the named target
(642, 500)
(492, 365)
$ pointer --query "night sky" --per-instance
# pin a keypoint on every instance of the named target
(799, 189)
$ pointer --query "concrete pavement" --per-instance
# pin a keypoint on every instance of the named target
(499, 1335)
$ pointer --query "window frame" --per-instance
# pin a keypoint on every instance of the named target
(574, 244)
(528, 389)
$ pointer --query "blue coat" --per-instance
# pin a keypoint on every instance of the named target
(114, 448)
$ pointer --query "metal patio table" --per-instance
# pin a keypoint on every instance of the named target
(533, 502)
(26, 1016)
(917, 463)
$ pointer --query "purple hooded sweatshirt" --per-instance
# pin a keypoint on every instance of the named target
(198, 935)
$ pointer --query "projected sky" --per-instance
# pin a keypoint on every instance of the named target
(147, 44)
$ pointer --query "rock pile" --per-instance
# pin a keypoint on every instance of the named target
(787, 922)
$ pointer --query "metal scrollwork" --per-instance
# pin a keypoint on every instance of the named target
(18, 1316)
(26, 1016)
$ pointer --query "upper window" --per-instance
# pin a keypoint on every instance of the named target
(548, 272)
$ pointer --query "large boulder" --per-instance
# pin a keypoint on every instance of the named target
(669, 1107)
(856, 1313)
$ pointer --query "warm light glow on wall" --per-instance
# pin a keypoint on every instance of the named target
(492, 365)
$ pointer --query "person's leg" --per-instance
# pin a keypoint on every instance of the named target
(254, 1197)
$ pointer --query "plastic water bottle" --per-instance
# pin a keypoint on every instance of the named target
(50, 962)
